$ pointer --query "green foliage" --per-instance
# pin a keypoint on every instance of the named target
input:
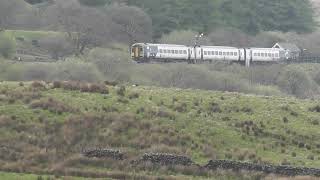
(7, 45)
(251, 16)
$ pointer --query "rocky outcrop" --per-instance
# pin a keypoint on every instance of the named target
(104, 153)
(281, 170)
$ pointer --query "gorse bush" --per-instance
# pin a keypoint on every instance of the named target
(7, 45)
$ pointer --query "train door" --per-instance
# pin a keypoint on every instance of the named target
(247, 57)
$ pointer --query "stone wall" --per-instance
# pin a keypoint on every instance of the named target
(173, 160)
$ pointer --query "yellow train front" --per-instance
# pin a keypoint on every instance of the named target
(138, 52)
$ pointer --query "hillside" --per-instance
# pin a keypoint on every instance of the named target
(45, 127)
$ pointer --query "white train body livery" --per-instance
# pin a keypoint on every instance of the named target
(145, 53)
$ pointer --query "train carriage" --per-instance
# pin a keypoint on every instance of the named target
(145, 52)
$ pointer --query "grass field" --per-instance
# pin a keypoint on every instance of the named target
(45, 127)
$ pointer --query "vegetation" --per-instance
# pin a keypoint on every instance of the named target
(7, 45)
(38, 117)
(47, 123)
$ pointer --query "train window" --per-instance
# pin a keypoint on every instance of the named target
(180, 51)
(262, 54)
(176, 51)
(228, 53)
(255, 54)
(258, 54)
(224, 53)
(266, 54)
(161, 51)
(205, 52)
(272, 55)
(269, 54)
(235, 54)
(217, 53)
(277, 55)
(231, 54)
(185, 52)
(212, 53)
(220, 53)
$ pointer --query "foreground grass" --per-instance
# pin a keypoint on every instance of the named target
(45, 128)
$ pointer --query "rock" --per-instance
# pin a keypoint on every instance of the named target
(104, 153)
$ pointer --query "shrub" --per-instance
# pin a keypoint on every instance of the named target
(315, 122)
(7, 45)
(315, 109)
(296, 82)
(134, 95)
(98, 88)
(293, 154)
(52, 105)
(311, 157)
(285, 120)
(121, 91)
(38, 85)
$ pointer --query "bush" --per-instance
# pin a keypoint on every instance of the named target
(121, 91)
(7, 45)
(296, 82)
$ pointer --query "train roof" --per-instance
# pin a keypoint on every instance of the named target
(269, 49)
(224, 47)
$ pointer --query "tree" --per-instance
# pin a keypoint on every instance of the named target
(85, 26)
(296, 82)
(7, 45)
(131, 24)
(9, 10)
(56, 45)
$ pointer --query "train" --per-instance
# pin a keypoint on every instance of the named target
(168, 53)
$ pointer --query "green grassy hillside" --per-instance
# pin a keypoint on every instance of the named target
(44, 127)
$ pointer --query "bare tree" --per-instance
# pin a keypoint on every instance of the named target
(85, 26)
(9, 10)
(56, 45)
(132, 23)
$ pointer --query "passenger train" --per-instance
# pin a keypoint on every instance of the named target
(166, 53)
